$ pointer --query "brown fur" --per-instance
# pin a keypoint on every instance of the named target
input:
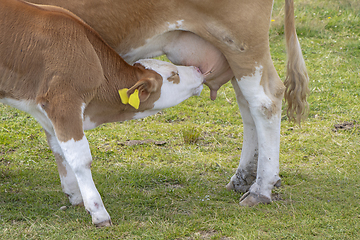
(241, 36)
(58, 69)
(232, 36)
(174, 78)
(53, 58)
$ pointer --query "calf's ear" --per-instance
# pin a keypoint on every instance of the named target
(145, 86)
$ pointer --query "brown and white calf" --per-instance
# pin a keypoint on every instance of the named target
(226, 40)
(58, 69)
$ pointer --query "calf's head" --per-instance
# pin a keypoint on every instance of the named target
(172, 84)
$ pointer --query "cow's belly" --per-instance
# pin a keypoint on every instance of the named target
(186, 48)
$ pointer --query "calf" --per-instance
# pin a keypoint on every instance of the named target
(58, 69)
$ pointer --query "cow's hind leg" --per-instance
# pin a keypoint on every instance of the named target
(263, 92)
(68, 180)
(245, 174)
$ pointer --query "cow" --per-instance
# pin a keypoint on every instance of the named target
(229, 41)
(59, 70)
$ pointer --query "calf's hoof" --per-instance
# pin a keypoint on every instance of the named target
(75, 199)
(252, 199)
(106, 223)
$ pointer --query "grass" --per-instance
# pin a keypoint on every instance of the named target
(176, 190)
(191, 135)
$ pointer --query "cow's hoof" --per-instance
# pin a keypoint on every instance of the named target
(241, 181)
(106, 223)
(278, 183)
(237, 187)
(251, 199)
(230, 186)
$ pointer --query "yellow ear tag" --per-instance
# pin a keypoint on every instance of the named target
(123, 96)
(134, 99)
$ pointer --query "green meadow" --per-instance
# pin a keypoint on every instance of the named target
(164, 177)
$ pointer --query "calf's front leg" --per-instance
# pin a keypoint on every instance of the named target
(72, 151)
(78, 157)
(68, 180)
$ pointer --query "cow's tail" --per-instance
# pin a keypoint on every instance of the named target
(297, 79)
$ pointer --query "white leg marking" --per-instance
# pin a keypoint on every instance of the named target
(267, 122)
(68, 180)
(246, 173)
(78, 156)
(78, 160)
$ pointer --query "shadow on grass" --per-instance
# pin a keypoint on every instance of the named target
(141, 192)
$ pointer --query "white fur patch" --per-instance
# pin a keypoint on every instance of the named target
(191, 80)
(55, 147)
(251, 85)
(254, 92)
(176, 26)
(267, 131)
(68, 180)
(78, 157)
(88, 124)
(76, 151)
